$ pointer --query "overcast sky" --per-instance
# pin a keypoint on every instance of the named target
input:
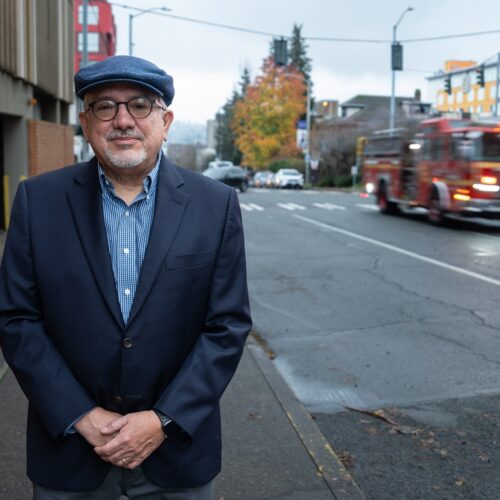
(206, 62)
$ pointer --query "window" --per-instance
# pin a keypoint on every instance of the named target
(92, 42)
(480, 94)
(92, 15)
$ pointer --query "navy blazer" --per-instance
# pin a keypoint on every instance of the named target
(62, 332)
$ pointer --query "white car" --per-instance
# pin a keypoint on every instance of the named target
(289, 178)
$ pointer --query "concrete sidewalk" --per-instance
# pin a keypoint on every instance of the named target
(272, 448)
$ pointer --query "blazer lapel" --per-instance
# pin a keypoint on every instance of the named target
(86, 206)
(170, 205)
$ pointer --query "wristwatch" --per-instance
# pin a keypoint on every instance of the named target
(172, 431)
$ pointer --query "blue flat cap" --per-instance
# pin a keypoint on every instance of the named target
(125, 69)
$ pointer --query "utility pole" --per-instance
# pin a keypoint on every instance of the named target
(307, 156)
(396, 65)
(83, 64)
(498, 82)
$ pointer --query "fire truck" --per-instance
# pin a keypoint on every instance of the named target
(449, 166)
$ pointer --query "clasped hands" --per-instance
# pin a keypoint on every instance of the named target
(123, 440)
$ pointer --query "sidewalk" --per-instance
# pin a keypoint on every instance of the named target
(272, 449)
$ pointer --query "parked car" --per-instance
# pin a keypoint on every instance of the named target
(230, 175)
(289, 178)
(264, 179)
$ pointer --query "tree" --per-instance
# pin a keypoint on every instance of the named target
(226, 147)
(264, 120)
(298, 53)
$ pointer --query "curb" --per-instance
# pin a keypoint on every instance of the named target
(336, 476)
(4, 368)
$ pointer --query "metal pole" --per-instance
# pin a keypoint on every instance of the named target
(393, 91)
(392, 111)
(308, 126)
(130, 44)
(131, 18)
(498, 81)
(83, 64)
(85, 32)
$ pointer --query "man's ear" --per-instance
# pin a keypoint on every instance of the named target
(84, 122)
(168, 118)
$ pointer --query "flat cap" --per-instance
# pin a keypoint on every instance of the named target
(125, 69)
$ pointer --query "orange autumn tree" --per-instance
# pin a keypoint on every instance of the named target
(264, 121)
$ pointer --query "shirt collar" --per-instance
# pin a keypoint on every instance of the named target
(149, 181)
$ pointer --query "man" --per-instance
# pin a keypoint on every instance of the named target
(124, 303)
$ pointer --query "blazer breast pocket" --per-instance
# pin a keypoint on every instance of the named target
(186, 261)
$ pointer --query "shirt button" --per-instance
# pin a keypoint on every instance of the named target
(127, 343)
(127, 213)
(117, 400)
(127, 291)
(126, 251)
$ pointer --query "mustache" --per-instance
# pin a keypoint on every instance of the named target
(116, 134)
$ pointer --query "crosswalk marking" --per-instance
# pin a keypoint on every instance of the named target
(250, 207)
(329, 206)
(291, 206)
(368, 207)
(253, 207)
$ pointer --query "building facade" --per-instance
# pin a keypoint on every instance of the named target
(101, 31)
(465, 87)
(36, 89)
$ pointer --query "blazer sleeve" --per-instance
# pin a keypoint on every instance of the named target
(198, 386)
(52, 391)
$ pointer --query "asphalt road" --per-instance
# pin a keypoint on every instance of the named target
(369, 312)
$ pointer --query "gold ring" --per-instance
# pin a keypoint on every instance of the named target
(124, 462)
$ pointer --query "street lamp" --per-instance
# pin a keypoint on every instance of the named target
(131, 18)
(395, 66)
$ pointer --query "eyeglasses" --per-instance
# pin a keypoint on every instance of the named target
(138, 107)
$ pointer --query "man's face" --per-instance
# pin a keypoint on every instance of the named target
(125, 142)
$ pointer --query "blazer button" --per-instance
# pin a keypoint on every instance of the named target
(127, 343)
(117, 400)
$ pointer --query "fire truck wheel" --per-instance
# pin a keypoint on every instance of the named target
(435, 213)
(384, 204)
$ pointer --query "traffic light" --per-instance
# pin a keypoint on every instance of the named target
(396, 56)
(280, 52)
(480, 75)
(447, 84)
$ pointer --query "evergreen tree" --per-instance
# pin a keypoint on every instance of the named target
(226, 147)
(297, 53)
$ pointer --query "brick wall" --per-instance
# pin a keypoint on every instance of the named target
(50, 146)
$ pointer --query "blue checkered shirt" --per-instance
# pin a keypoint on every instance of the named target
(127, 230)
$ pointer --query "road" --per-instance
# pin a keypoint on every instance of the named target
(368, 312)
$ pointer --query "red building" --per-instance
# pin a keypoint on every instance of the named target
(101, 38)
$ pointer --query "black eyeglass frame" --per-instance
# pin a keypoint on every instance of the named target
(117, 104)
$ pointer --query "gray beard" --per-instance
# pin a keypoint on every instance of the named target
(125, 158)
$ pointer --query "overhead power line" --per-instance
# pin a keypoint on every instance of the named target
(310, 38)
(444, 37)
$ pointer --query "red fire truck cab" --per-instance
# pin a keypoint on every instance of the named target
(449, 166)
